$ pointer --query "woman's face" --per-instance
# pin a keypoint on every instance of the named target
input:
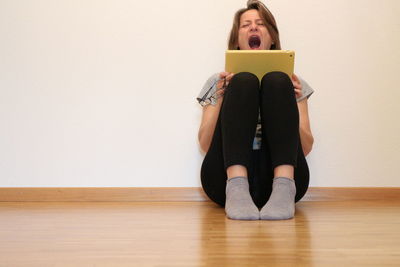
(253, 34)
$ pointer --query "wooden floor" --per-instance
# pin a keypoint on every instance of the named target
(333, 233)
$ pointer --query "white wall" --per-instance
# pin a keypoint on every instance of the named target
(102, 93)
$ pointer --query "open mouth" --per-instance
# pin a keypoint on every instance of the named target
(254, 42)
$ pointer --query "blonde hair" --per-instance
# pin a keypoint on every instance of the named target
(266, 16)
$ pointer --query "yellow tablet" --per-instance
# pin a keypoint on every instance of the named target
(259, 62)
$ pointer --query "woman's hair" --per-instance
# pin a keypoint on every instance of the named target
(266, 16)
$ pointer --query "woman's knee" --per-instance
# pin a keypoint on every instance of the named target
(245, 80)
(276, 79)
(277, 83)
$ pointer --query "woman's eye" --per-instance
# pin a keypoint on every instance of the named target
(245, 25)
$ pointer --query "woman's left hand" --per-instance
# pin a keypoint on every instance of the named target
(297, 86)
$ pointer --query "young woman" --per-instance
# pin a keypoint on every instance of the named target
(255, 135)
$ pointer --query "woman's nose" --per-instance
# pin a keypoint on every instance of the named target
(253, 27)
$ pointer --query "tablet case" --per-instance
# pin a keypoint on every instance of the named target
(259, 62)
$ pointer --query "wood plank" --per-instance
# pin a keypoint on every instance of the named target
(110, 194)
(352, 194)
(102, 194)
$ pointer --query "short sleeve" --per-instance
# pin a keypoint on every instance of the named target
(306, 90)
(207, 93)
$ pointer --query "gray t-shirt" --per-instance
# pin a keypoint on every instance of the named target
(208, 96)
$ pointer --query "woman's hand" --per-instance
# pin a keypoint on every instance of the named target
(297, 86)
(224, 82)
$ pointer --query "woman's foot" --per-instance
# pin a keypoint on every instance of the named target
(281, 204)
(239, 205)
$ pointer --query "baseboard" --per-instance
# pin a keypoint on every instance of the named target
(115, 194)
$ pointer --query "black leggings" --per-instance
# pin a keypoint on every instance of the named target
(232, 142)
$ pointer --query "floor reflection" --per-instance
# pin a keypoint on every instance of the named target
(226, 242)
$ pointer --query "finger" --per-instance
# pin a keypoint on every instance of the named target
(220, 92)
(229, 77)
(297, 85)
(223, 74)
(294, 77)
(220, 83)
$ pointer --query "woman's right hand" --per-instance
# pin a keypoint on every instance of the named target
(225, 78)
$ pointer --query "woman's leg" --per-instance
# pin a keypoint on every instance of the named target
(280, 118)
(233, 137)
(239, 116)
(280, 122)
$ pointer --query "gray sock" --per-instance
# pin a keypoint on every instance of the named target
(280, 205)
(239, 205)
